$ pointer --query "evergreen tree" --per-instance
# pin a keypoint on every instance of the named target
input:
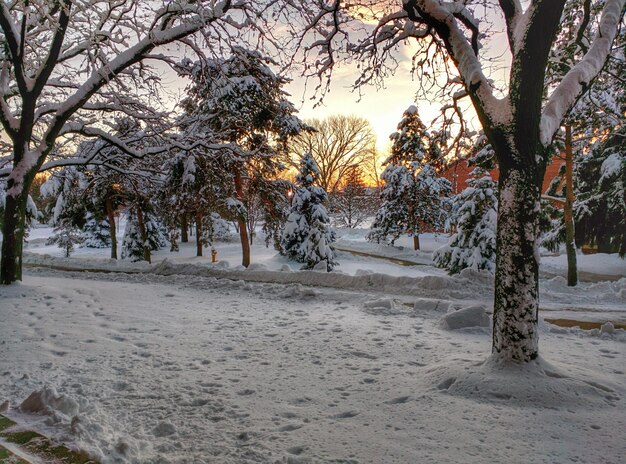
(415, 196)
(600, 208)
(307, 236)
(143, 233)
(474, 214)
(66, 236)
(96, 231)
(237, 110)
(392, 216)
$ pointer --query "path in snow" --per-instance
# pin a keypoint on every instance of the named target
(193, 369)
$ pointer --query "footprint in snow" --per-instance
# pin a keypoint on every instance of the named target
(345, 415)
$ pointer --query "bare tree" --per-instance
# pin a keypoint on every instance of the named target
(338, 144)
(519, 117)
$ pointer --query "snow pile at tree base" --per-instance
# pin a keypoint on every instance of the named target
(539, 384)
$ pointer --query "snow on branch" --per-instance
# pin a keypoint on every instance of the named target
(578, 79)
(448, 20)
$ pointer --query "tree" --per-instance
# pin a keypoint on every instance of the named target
(307, 236)
(88, 196)
(414, 196)
(600, 208)
(65, 64)
(519, 120)
(474, 217)
(66, 236)
(239, 101)
(354, 202)
(338, 144)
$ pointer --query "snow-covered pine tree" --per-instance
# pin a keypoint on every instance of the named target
(414, 196)
(600, 208)
(66, 235)
(307, 236)
(237, 104)
(144, 233)
(474, 214)
(392, 216)
(96, 231)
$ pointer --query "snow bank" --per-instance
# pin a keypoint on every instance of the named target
(541, 384)
(472, 316)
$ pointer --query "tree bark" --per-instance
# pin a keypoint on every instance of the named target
(13, 229)
(112, 227)
(198, 233)
(416, 242)
(184, 228)
(143, 235)
(243, 227)
(568, 217)
(515, 310)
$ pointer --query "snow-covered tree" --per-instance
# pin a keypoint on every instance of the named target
(307, 237)
(96, 231)
(239, 101)
(354, 203)
(66, 64)
(89, 195)
(66, 236)
(600, 208)
(143, 233)
(393, 214)
(474, 218)
(520, 117)
(414, 198)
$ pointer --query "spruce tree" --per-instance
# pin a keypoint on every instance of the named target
(474, 214)
(414, 198)
(307, 236)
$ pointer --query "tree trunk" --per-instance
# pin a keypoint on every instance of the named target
(416, 242)
(243, 227)
(13, 237)
(112, 226)
(198, 233)
(568, 217)
(144, 236)
(184, 226)
(515, 309)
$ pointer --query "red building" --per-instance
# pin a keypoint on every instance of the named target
(458, 172)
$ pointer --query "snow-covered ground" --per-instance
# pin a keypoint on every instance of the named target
(190, 362)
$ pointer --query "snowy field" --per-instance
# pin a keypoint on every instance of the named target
(189, 362)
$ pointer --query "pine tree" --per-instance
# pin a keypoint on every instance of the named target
(66, 236)
(600, 208)
(96, 231)
(414, 196)
(307, 236)
(143, 233)
(237, 105)
(474, 213)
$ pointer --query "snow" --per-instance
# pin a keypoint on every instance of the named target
(186, 361)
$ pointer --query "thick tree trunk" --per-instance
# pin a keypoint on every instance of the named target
(515, 310)
(184, 228)
(568, 217)
(143, 235)
(243, 226)
(13, 238)
(198, 233)
(416, 242)
(112, 227)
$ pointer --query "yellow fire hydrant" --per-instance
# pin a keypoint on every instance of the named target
(213, 255)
